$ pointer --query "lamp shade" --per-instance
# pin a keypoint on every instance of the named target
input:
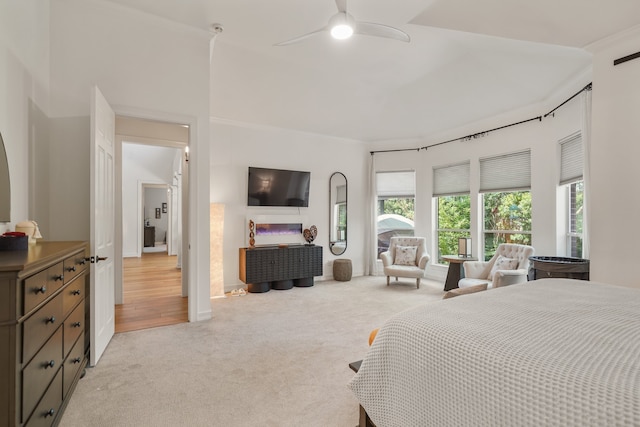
(464, 247)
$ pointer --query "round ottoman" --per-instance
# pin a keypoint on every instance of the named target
(342, 270)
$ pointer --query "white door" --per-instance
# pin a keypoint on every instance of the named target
(102, 299)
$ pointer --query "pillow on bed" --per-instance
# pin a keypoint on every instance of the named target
(503, 263)
(405, 255)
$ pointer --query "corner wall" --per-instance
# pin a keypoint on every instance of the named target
(24, 105)
(615, 152)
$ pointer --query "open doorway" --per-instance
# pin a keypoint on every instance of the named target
(153, 290)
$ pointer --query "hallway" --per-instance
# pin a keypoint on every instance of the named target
(152, 293)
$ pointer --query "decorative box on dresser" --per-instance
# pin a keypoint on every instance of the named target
(43, 346)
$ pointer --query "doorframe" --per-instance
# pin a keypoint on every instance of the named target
(188, 280)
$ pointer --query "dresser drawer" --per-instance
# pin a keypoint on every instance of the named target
(73, 266)
(47, 410)
(37, 375)
(72, 295)
(73, 328)
(40, 286)
(39, 327)
(72, 365)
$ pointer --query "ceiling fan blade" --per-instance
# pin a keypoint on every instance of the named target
(380, 30)
(300, 38)
(342, 5)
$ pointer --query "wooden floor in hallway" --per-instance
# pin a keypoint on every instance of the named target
(152, 293)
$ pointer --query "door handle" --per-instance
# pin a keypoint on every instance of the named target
(97, 259)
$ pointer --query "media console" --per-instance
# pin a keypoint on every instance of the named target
(275, 267)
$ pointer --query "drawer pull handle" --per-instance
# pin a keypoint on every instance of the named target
(72, 268)
(83, 261)
(50, 364)
(76, 361)
(59, 277)
(51, 320)
(75, 325)
(50, 413)
(75, 292)
(41, 290)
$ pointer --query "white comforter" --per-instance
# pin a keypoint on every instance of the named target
(551, 352)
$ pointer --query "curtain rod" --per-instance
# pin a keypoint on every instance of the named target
(484, 133)
(395, 150)
(587, 87)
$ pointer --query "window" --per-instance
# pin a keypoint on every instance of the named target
(451, 189)
(507, 219)
(454, 214)
(575, 209)
(571, 165)
(505, 182)
(340, 212)
(396, 206)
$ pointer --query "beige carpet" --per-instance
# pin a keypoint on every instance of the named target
(274, 359)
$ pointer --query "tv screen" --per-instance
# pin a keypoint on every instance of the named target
(277, 187)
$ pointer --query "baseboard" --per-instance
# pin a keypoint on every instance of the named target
(204, 315)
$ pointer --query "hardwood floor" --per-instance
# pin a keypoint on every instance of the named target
(152, 293)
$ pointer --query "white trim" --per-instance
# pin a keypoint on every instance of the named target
(190, 236)
(270, 128)
(606, 42)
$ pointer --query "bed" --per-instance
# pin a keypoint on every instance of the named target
(552, 352)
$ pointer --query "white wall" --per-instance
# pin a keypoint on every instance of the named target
(614, 168)
(24, 103)
(235, 147)
(145, 67)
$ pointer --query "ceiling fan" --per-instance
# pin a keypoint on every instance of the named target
(342, 25)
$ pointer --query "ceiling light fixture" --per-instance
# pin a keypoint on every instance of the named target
(341, 32)
(341, 26)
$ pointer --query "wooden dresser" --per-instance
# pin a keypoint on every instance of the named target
(43, 315)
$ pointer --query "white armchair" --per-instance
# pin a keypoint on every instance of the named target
(406, 257)
(509, 265)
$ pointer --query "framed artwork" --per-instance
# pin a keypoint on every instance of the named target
(164, 208)
(158, 213)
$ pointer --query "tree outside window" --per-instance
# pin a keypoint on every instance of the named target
(454, 221)
(575, 217)
(507, 219)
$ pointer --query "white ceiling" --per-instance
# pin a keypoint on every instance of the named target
(467, 60)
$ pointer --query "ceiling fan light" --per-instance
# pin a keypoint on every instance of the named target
(341, 31)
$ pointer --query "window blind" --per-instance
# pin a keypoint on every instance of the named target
(396, 184)
(451, 180)
(507, 172)
(571, 159)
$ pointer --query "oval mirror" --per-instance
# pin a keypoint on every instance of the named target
(337, 213)
(5, 187)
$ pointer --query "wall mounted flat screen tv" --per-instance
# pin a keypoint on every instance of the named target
(277, 187)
